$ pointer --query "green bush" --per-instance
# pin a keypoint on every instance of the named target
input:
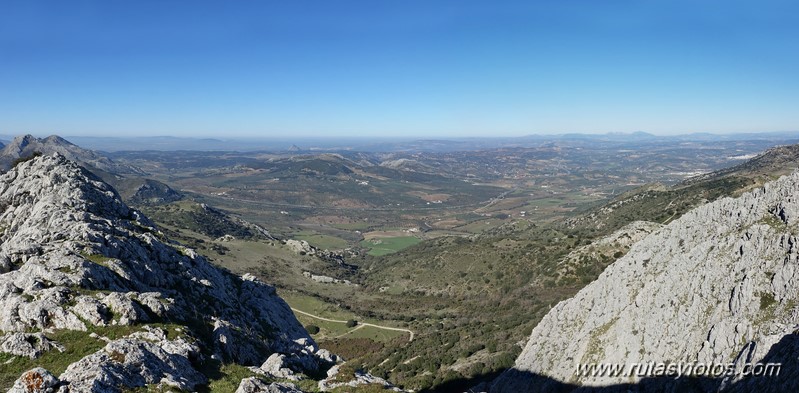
(20, 160)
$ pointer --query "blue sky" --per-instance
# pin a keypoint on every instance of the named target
(397, 68)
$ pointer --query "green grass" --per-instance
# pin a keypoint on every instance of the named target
(95, 258)
(228, 378)
(389, 245)
(315, 306)
(326, 242)
(766, 300)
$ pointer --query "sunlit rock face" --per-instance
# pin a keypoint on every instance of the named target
(716, 286)
(74, 257)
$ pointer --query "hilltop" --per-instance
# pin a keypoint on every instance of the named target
(24, 146)
(128, 179)
(93, 297)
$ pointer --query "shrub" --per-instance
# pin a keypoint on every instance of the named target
(20, 160)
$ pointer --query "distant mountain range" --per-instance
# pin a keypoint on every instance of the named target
(26, 145)
(166, 143)
(129, 180)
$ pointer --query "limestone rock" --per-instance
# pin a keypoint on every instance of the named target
(335, 381)
(255, 385)
(30, 345)
(277, 366)
(717, 285)
(37, 380)
(74, 256)
(135, 362)
(300, 246)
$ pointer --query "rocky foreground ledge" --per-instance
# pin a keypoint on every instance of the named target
(93, 293)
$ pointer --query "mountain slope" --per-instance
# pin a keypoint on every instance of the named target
(80, 271)
(774, 162)
(123, 177)
(26, 145)
(658, 203)
(717, 285)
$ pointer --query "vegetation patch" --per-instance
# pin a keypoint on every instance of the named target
(389, 245)
(767, 300)
(596, 348)
(95, 258)
(225, 377)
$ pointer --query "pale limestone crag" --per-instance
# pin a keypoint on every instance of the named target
(719, 284)
(74, 256)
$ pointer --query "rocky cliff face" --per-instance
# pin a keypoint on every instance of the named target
(74, 258)
(716, 286)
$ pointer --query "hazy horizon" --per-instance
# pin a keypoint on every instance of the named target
(218, 137)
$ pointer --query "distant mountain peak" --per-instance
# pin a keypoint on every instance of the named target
(21, 141)
(57, 139)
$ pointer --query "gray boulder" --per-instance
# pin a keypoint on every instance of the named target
(255, 385)
(37, 380)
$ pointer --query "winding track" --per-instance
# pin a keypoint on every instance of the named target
(359, 323)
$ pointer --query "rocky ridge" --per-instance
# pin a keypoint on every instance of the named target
(717, 285)
(74, 257)
(26, 145)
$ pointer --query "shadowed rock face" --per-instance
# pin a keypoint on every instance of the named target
(718, 285)
(74, 256)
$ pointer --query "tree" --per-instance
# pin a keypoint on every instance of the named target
(312, 329)
(352, 323)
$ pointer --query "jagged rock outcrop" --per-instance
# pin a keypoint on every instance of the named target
(125, 178)
(30, 345)
(334, 381)
(26, 145)
(255, 385)
(277, 366)
(140, 359)
(302, 247)
(74, 257)
(716, 286)
(152, 192)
